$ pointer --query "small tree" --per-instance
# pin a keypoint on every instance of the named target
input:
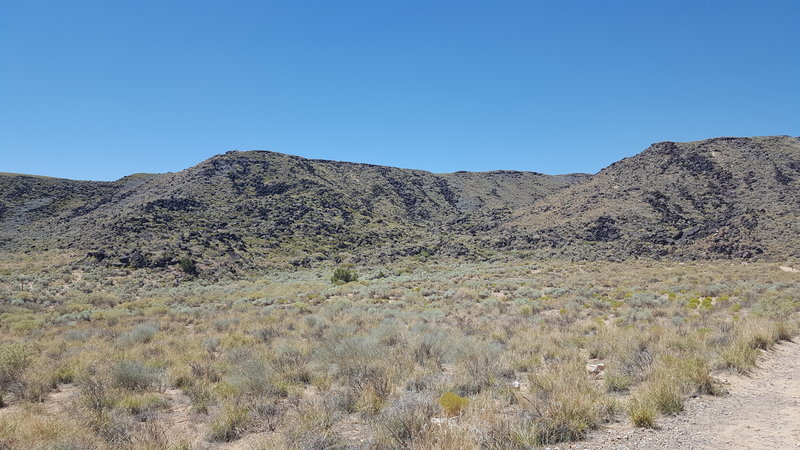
(343, 275)
(188, 265)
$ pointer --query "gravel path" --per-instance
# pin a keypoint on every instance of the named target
(761, 412)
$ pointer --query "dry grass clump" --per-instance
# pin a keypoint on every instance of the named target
(230, 423)
(642, 413)
(565, 405)
(750, 338)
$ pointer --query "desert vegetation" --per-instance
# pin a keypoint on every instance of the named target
(435, 354)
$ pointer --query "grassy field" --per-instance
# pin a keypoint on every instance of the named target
(421, 354)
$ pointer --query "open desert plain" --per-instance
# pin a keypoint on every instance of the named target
(390, 225)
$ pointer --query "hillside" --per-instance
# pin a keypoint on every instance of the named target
(725, 197)
(242, 208)
(718, 198)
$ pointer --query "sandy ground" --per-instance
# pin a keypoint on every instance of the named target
(761, 412)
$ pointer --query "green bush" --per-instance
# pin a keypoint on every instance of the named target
(188, 266)
(343, 275)
(453, 404)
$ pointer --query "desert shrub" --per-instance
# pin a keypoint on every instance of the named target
(645, 300)
(291, 361)
(313, 426)
(266, 413)
(255, 378)
(115, 426)
(267, 334)
(29, 428)
(425, 381)
(785, 331)
(672, 379)
(453, 404)
(14, 359)
(141, 334)
(429, 346)
(95, 393)
(361, 364)
(204, 369)
(742, 351)
(403, 421)
(135, 376)
(343, 275)
(617, 382)
(629, 364)
(481, 364)
(345, 399)
(697, 377)
(211, 345)
(775, 307)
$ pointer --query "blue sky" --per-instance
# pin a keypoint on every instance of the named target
(101, 89)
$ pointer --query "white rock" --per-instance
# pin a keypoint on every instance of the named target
(595, 368)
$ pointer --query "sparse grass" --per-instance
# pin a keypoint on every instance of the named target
(497, 351)
(230, 423)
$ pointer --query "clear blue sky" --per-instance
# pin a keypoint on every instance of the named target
(100, 89)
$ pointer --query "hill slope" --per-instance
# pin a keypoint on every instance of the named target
(718, 198)
(724, 197)
(243, 207)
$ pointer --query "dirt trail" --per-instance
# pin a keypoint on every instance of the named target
(761, 412)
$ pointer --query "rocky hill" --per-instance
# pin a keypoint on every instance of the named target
(244, 208)
(719, 198)
(724, 197)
